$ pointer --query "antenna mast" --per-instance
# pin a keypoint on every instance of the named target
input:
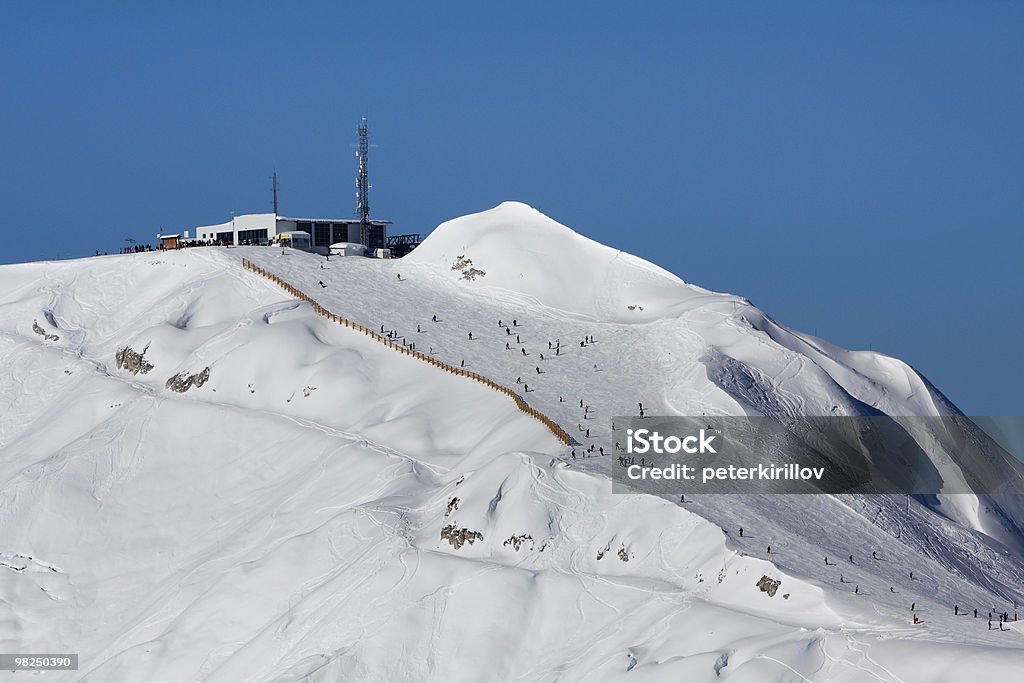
(275, 192)
(363, 186)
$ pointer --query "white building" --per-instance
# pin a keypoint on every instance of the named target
(261, 228)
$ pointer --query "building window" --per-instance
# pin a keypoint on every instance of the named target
(252, 236)
(321, 234)
(226, 238)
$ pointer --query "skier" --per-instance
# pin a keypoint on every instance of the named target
(418, 329)
(826, 560)
(873, 555)
(508, 332)
(515, 323)
(463, 364)
(549, 345)
(975, 612)
(558, 352)
(891, 589)
(517, 340)
(769, 550)
(399, 277)
(538, 369)
(911, 576)
(322, 284)
(526, 388)
(519, 380)
(741, 532)
(507, 347)
(851, 559)
(588, 432)
(499, 324)
(434, 318)
(542, 356)
(470, 336)
(912, 605)
(524, 351)
(956, 610)
(856, 590)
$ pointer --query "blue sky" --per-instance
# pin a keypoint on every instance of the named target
(855, 169)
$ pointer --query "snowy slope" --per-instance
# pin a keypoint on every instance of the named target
(286, 518)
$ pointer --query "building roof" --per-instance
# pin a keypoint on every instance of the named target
(167, 237)
(350, 221)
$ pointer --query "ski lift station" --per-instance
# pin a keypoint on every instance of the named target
(269, 228)
(328, 236)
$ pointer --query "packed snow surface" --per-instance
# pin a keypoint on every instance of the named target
(202, 479)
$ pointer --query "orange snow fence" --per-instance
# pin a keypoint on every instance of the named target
(559, 433)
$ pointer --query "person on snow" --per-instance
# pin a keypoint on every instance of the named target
(538, 369)
(517, 340)
(519, 380)
(470, 336)
(873, 555)
(542, 356)
(524, 351)
(741, 532)
(322, 284)
(507, 347)
(515, 323)
(433, 318)
(892, 589)
(956, 610)
(851, 559)
(526, 388)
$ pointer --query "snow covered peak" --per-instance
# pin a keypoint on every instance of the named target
(516, 248)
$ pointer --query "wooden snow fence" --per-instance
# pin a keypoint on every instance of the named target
(294, 291)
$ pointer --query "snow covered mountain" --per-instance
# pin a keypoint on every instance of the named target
(203, 479)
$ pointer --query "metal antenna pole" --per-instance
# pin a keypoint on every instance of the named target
(275, 192)
(363, 187)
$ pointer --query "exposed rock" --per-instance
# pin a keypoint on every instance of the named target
(457, 537)
(42, 333)
(465, 265)
(453, 505)
(768, 585)
(183, 381)
(133, 361)
(623, 555)
(518, 541)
